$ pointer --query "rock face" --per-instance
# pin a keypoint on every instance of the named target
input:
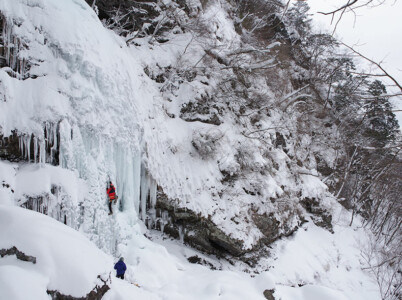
(10, 148)
(22, 147)
(269, 294)
(195, 230)
(204, 235)
(320, 216)
(201, 111)
(268, 225)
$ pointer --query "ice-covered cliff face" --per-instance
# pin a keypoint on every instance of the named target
(71, 85)
(74, 93)
(200, 132)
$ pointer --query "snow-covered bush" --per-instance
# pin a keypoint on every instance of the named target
(206, 142)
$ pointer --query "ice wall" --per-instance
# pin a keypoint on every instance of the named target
(71, 93)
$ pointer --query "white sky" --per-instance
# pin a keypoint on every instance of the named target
(376, 32)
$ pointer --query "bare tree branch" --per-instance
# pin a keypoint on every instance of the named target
(348, 4)
(378, 65)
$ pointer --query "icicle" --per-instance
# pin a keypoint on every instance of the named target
(28, 147)
(137, 181)
(144, 193)
(42, 152)
(152, 193)
(21, 68)
(181, 233)
(46, 130)
(53, 141)
(24, 67)
(25, 147)
(152, 218)
(49, 134)
(164, 220)
(30, 136)
(21, 144)
(35, 149)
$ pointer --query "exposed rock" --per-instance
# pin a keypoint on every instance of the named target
(269, 294)
(323, 167)
(198, 260)
(7, 186)
(202, 111)
(97, 292)
(20, 255)
(320, 216)
(221, 240)
(204, 235)
(280, 140)
(10, 148)
(268, 225)
(21, 147)
(195, 230)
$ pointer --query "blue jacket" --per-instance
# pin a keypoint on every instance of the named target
(120, 267)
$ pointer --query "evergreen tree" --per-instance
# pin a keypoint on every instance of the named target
(299, 21)
(382, 124)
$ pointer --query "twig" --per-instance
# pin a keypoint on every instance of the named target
(374, 63)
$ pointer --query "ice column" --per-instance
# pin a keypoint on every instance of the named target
(144, 187)
(148, 198)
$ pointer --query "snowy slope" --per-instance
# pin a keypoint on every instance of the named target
(65, 260)
(70, 263)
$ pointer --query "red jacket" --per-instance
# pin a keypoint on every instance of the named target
(111, 192)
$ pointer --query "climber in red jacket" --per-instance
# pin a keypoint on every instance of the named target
(111, 192)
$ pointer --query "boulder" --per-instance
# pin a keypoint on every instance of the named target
(269, 294)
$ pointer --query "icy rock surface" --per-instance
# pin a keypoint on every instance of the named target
(78, 100)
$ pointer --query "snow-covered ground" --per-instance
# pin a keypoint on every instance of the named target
(326, 266)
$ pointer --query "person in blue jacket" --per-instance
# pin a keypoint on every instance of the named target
(120, 268)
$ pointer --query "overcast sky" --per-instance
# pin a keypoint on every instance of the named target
(376, 32)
